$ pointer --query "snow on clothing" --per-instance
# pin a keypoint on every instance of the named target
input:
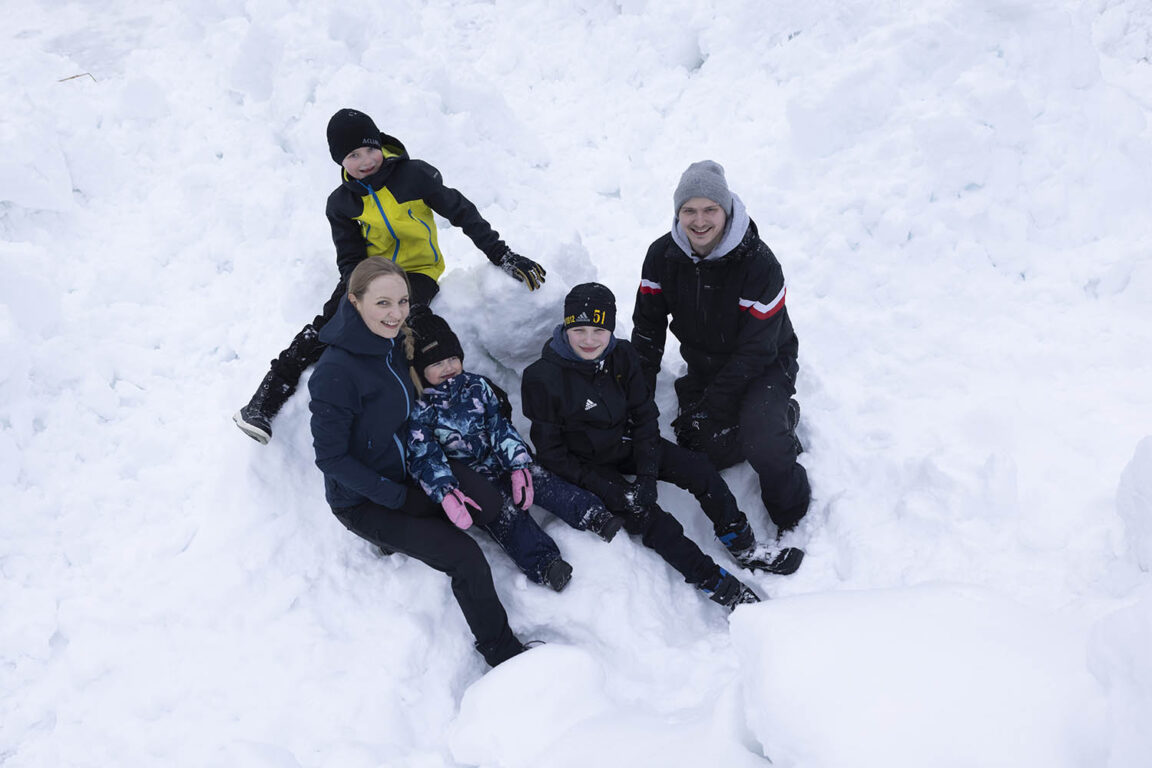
(460, 419)
(390, 214)
(361, 399)
(728, 311)
(594, 420)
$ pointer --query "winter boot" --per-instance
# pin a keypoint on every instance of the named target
(255, 419)
(742, 545)
(558, 575)
(503, 648)
(605, 524)
(726, 589)
(793, 420)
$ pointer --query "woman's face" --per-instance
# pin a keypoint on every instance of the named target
(384, 305)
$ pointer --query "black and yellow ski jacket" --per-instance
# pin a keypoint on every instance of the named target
(390, 214)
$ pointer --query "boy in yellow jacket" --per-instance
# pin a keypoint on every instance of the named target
(384, 206)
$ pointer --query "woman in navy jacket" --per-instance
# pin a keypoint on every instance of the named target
(362, 395)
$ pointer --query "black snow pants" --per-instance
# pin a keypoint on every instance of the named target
(420, 530)
(762, 436)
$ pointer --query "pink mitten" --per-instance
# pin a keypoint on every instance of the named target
(522, 489)
(456, 507)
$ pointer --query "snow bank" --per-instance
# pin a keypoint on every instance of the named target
(928, 676)
(1134, 503)
(551, 708)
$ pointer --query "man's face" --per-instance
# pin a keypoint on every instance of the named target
(703, 223)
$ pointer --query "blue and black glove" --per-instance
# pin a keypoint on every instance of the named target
(523, 269)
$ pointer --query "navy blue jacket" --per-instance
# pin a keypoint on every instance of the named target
(361, 398)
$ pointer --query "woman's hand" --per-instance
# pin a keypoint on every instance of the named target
(522, 489)
(455, 505)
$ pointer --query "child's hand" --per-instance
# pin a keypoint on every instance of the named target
(523, 269)
(455, 505)
(522, 489)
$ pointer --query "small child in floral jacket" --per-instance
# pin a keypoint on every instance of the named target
(464, 417)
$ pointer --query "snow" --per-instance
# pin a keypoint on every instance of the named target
(957, 191)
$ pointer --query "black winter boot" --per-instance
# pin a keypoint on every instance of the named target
(742, 545)
(605, 524)
(729, 591)
(255, 419)
(501, 649)
(558, 575)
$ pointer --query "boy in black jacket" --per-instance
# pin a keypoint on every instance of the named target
(593, 420)
(383, 207)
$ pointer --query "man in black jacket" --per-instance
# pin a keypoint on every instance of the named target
(725, 291)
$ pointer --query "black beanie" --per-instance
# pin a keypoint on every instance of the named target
(590, 304)
(434, 341)
(348, 130)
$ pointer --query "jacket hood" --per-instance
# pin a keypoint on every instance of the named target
(734, 232)
(559, 347)
(394, 152)
(347, 330)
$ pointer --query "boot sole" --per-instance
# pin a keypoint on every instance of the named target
(254, 432)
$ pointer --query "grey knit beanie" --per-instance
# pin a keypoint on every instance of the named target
(703, 179)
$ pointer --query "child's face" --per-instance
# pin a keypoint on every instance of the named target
(437, 373)
(384, 306)
(362, 163)
(588, 341)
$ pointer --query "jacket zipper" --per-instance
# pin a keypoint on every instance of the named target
(407, 404)
(429, 231)
(387, 223)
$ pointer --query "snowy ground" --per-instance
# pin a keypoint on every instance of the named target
(959, 194)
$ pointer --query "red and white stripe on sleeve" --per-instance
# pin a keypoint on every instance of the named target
(759, 309)
(650, 287)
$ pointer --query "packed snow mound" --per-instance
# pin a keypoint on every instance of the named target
(1134, 502)
(552, 708)
(936, 675)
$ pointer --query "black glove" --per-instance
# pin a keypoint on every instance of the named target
(692, 419)
(645, 490)
(693, 427)
(525, 270)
